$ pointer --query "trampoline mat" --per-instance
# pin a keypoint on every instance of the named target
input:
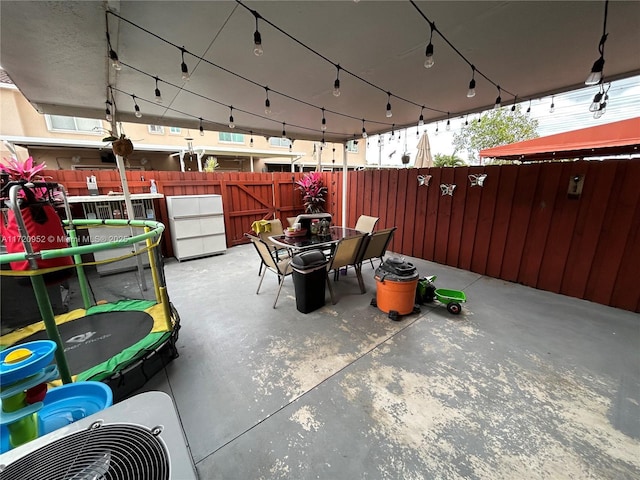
(93, 339)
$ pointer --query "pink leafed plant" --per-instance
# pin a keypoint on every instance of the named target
(24, 170)
(312, 192)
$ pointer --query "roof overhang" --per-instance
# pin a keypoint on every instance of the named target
(615, 138)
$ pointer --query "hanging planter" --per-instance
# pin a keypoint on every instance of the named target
(405, 158)
(44, 229)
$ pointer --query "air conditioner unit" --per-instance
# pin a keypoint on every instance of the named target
(137, 439)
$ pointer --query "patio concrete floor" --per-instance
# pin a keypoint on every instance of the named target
(523, 384)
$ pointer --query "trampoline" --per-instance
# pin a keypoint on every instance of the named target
(123, 343)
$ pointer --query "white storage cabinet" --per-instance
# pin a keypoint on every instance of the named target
(197, 225)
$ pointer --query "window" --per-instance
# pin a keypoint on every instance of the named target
(175, 131)
(156, 129)
(231, 137)
(279, 142)
(352, 146)
(57, 123)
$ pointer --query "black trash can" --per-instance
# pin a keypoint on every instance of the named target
(309, 279)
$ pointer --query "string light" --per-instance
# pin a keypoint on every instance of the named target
(529, 108)
(257, 38)
(184, 68)
(437, 128)
(498, 103)
(201, 128)
(513, 107)
(595, 105)
(595, 76)
(108, 117)
(429, 61)
(389, 114)
(267, 102)
(284, 133)
(421, 118)
(448, 126)
(136, 108)
(231, 123)
(336, 84)
(472, 84)
(323, 126)
(466, 121)
(113, 56)
(157, 92)
(258, 16)
(364, 130)
(251, 140)
(552, 108)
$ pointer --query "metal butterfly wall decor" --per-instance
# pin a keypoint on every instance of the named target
(447, 188)
(477, 179)
(423, 180)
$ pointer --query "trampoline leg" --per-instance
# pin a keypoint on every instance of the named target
(82, 279)
(152, 264)
(44, 304)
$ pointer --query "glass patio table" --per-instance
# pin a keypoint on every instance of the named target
(315, 241)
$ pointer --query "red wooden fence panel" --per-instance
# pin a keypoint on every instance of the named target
(519, 220)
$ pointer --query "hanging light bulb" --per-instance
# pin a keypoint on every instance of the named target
(136, 108)
(429, 61)
(251, 140)
(201, 128)
(267, 102)
(498, 103)
(437, 128)
(183, 66)
(393, 131)
(336, 84)
(448, 126)
(284, 133)
(479, 118)
(389, 114)
(323, 126)
(107, 112)
(595, 105)
(513, 107)
(323, 143)
(364, 130)
(595, 76)
(157, 92)
(552, 108)
(421, 118)
(466, 121)
(472, 84)
(257, 38)
(529, 108)
(231, 122)
(115, 62)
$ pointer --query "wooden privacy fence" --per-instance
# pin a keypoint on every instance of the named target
(520, 225)
(246, 197)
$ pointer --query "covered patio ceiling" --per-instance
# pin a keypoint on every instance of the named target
(57, 55)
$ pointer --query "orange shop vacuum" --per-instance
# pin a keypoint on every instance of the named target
(396, 283)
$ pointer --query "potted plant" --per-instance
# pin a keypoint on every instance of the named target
(313, 192)
(35, 204)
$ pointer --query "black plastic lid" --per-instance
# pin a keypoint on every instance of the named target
(308, 259)
(396, 269)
